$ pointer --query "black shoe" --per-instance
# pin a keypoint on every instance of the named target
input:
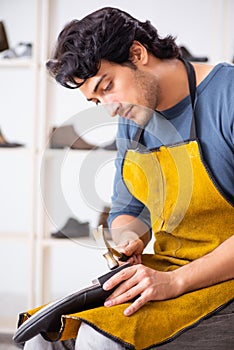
(66, 136)
(3, 38)
(72, 229)
(188, 56)
(4, 143)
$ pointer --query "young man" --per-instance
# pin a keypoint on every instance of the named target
(178, 181)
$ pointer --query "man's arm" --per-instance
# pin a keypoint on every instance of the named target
(126, 227)
(212, 268)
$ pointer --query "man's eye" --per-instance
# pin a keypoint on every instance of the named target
(108, 87)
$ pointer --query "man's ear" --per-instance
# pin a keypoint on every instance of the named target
(138, 54)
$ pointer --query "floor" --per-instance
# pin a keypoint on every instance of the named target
(6, 342)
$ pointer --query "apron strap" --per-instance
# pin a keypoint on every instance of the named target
(136, 139)
(192, 91)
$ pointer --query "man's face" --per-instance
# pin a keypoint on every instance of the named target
(130, 93)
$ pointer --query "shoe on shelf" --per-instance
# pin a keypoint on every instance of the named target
(8, 54)
(111, 146)
(21, 50)
(66, 136)
(3, 38)
(5, 143)
(102, 220)
(73, 228)
(186, 54)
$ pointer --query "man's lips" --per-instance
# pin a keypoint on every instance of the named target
(127, 113)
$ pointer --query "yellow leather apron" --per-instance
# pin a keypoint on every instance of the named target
(190, 218)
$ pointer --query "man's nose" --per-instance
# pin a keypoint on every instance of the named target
(112, 108)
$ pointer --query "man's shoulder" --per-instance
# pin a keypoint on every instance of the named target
(219, 78)
(221, 70)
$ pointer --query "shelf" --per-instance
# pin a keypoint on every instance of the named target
(17, 62)
(87, 242)
(22, 150)
(51, 152)
(13, 236)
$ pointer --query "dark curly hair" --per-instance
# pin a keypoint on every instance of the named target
(107, 34)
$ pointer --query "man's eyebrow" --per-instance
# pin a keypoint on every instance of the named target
(99, 82)
(97, 85)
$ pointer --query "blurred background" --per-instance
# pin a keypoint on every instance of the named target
(42, 183)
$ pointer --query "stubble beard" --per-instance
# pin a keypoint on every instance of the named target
(151, 93)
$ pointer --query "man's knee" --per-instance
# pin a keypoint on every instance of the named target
(90, 339)
(39, 343)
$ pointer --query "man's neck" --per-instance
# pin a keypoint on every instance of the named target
(173, 80)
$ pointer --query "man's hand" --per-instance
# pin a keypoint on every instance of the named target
(130, 236)
(132, 248)
(143, 284)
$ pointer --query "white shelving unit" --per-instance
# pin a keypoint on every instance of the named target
(19, 178)
(39, 268)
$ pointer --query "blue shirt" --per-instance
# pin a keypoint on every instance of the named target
(214, 110)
